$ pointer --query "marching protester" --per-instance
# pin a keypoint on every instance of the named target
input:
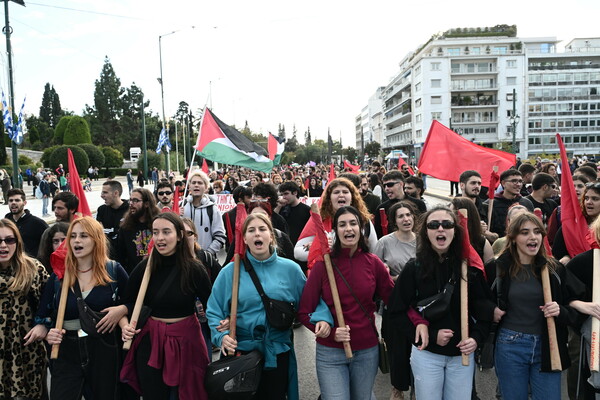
(554, 222)
(522, 354)
(340, 192)
(315, 189)
(111, 213)
(89, 354)
(280, 279)
(513, 211)
(544, 189)
(51, 239)
(30, 226)
(371, 201)
(359, 276)
(164, 194)
(302, 190)
(170, 338)
(437, 348)
(23, 356)
(478, 240)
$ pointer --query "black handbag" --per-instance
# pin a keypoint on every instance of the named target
(384, 358)
(435, 307)
(280, 314)
(88, 318)
(234, 377)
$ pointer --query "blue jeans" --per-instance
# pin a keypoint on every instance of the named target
(518, 362)
(45, 205)
(343, 379)
(441, 377)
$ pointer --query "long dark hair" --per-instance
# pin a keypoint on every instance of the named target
(473, 224)
(151, 211)
(394, 209)
(46, 249)
(186, 259)
(427, 257)
(362, 240)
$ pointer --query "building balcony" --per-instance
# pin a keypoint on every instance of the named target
(398, 129)
(464, 88)
(397, 117)
(465, 71)
(467, 121)
(569, 146)
(578, 129)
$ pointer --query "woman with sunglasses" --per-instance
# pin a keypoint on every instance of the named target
(437, 350)
(86, 359)
(21, 281)
(590, 205)
(522, 356)
(340, 192)
(171, 337)
(281, 279)
(360, 276)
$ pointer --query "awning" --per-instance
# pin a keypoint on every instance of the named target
(396, 154)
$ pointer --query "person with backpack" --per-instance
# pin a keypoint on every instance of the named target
(89, 353)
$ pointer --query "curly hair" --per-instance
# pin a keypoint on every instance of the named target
(357, 202)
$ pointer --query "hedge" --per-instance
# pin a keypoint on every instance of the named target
(94, 154)
(59, 156)
(77, 132)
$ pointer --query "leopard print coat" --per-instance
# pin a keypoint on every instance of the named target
(21, 367)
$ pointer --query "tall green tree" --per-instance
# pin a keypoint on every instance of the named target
(50, 110)
(307, 137)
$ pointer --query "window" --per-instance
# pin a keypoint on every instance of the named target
(418, 70)
(511, 63)
(436, 83)
(419, 133)
(475, 50)
(417, 103)
(418, 87)
(511, 80)
(453, 52)
(436, 115)
(500, 50)
(418, 118)
(435, 66)
(436, 99)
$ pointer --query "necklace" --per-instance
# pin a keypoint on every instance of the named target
(83, 271)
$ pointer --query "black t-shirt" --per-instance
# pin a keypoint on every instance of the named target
(547, 207)
(296, 218)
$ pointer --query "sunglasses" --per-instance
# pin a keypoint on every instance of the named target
(165, 193)
(446, 224)
(515, 181)
(9, 240)
(390, 184)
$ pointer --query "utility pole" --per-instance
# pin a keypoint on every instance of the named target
(144, 144)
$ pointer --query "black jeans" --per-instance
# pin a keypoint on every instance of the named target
(274, 382)
(86, 360)
(151, 381)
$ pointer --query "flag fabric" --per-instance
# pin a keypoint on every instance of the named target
(314, 227)
(204, 166)
(219, 142)
(493, 185)
(276, 147)
(538, 213)
(18, 131)
(331, 173)
(329, 145)
(76, 187)
(175, 208)
(351, 168)
(6, 116)
(163, 140)
(240, 217)
(468, 252)
(574, 224)
(446, 155)
(384, 221)
(401, 162)
(57, 260)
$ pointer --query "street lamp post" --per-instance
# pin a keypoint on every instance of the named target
(514, 121)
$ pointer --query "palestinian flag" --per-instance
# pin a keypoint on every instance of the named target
(276, 147)
(221, 143)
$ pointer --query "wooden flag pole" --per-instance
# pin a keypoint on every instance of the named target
(234, 298)
(555, 363)
(594, 356)
(334, 291)
(464, 298)
(60, 315)
(139, 301)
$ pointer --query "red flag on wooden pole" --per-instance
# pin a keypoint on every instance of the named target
(76, 187)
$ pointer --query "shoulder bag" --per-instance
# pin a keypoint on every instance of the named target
(280, 314)
(435, 307)
(384, 360)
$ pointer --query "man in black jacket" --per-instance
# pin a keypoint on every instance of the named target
(111, 213)
(30, 226)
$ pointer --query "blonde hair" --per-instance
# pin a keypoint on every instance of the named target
(99, 254)
(264, 218)
(201, 175)
(24, 267)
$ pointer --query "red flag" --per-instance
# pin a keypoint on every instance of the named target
(384, 221)
(240, 217)
(57, 260)
(468, 252)
(176, 201)
(401, 162)
(204, 166)
(76, 187)
(446, 155)
(574, 224)
(538, 213)
(351, 168)
(272, 146)
(591, 239)
(331, 173)
(312, 228)
(494, 180)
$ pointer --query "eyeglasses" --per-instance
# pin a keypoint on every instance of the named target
(516, 181)
(190, 233)
(58, 241)
(167, 193)
(390, 184)
(553, 186)
(9, 240)
(135, 201)
(446, 224)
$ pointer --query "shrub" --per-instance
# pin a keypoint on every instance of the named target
(154, 160)
(46, 155)
(61, 127)
(24, 160)
(94, 154)
(77, 132)
(113, 158)
(59, 156)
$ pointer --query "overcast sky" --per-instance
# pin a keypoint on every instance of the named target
(311, 63)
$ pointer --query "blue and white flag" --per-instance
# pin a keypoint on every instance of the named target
(6, 116)
(21, 128)
(163, 140)
(14, 132)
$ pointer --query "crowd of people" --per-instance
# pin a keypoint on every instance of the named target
(391, 253)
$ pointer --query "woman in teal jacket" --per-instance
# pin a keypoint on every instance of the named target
(281, 279)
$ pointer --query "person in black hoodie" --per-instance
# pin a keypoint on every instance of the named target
(522, 354)
(31, 227)
(112, 212)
